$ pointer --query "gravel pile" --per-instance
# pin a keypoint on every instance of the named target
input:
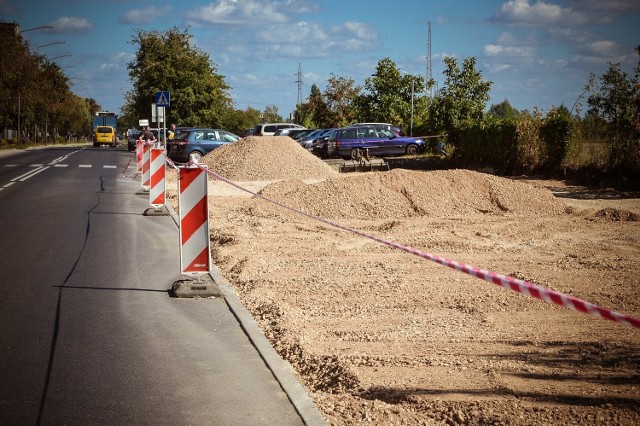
(405, 193)
(266, 158)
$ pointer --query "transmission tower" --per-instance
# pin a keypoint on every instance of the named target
(299, 82)
(429, 71)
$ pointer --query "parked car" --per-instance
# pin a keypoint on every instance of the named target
(268, 129)
(249, 132)
(396, 130)
(196, 143)
(299, 134)
(347, 141)
(135, 135)
(132, 136)
(105, 135)
(308, 141)
(319, 144)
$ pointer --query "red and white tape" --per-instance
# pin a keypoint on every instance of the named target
(509, 283)
(195, 254)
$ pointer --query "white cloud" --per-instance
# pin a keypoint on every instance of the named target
(71, 25)
(145, 15)
(602, 47)
(238, 12)
(300, 33)
(522, 52)
(540, 13)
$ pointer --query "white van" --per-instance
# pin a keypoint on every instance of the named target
(268, 129)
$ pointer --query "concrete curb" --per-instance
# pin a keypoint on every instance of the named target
(281, 369)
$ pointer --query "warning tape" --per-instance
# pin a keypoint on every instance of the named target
(134, 155)
(519, 286)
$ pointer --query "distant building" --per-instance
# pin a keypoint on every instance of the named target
(8, 29)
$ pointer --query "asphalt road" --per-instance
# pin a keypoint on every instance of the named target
(88, 331)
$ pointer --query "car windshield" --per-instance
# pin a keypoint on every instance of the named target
(228, 137)
(182, 136)
(314, 134)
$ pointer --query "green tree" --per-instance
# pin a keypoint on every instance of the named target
(339, 98)
(464, 95)
(503, 110)
(240, 120)
(166, 61)
(388, 96)
(270, 115)
(615, 98)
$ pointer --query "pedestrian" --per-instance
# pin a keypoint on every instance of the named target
(172, 131)
(148, 135)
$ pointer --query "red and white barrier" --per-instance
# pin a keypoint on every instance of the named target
(145, 165)
(139, 144)
(195, 254)
(157, 190)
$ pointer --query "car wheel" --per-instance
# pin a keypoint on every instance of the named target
(354, 154)
(195, 156)
(412, 149)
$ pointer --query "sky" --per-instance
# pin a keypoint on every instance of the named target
(538, 54)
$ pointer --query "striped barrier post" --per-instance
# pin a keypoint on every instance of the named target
(145, 166)
(195, 253)
(157, 171)
(139, 145)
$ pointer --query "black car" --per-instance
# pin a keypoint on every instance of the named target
(196, 143)
(134, 136)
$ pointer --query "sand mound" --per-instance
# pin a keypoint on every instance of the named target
(266, 158)
(404, 193)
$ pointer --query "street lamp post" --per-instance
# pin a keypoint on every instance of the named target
(40, 27)
(37, 28)
(61, 56)
(49, 44)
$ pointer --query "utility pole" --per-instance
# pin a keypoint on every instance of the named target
(299, 82)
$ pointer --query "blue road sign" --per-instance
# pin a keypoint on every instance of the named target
(163, 99)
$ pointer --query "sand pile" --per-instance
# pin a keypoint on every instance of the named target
(266, 158)
(404, 193)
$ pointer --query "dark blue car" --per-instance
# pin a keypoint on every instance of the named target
(346, 142)
(196, 143)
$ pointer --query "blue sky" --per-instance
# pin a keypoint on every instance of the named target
(536, 53)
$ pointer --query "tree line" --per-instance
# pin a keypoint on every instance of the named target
(37, 102)
(38, 97)
(473, 133)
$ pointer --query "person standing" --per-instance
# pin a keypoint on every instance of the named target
(172, 131)
(148, 135)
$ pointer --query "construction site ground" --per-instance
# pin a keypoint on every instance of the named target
(381, 336)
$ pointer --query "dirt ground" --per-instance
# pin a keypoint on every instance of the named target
(380, 336)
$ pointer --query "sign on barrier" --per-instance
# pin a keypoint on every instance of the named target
(195, 255)
(157, 180)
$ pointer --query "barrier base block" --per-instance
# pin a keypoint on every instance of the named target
(156, 211)
(195, 287)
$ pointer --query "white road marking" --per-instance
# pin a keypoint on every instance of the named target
(109, 167)
(85, 166)
(31, 174)
(60, 165)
